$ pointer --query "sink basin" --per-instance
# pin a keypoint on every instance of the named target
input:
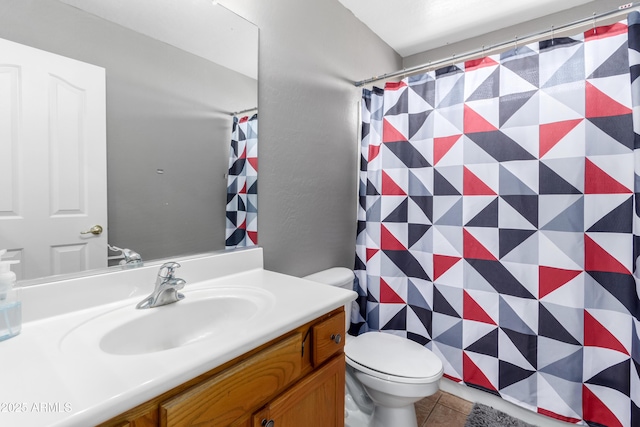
(203, 314)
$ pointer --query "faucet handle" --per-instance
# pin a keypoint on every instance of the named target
(168, 269)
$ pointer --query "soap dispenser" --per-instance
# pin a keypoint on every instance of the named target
(10, 305)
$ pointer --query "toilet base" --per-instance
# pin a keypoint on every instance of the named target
(353, 415)
(404, 416)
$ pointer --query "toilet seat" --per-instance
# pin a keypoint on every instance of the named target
(392, 358)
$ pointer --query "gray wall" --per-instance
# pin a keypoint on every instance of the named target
(166, 109)
(311, 52)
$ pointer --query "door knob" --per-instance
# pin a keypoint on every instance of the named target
(96, 230)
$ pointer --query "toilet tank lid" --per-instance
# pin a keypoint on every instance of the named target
(393, 355)
(336, 276)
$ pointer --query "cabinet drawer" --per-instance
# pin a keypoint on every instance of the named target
(238, 390)
(328, 338)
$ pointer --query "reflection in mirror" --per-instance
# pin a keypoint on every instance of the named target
(242, 188)
(168, 120)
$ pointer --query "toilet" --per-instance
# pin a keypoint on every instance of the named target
(395, 372)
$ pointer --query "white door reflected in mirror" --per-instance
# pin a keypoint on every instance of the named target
(55, 109)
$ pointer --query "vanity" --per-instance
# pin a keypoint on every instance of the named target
(278, 384)
(245, 347)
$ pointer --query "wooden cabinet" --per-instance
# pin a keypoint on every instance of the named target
(226, 397)
(294, 380)
(315, 401)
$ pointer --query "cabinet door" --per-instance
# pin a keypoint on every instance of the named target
(149, 419)
(225, 398)
(146, 416)
(315, 401)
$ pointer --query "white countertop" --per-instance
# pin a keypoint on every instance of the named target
(45, 382)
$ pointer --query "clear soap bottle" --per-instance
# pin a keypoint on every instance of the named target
(10, 305)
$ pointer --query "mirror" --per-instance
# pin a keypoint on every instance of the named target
(169, 109)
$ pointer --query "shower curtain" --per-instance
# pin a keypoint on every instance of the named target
(498, 222)
(242, 184)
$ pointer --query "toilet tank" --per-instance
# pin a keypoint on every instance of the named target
(337, 276)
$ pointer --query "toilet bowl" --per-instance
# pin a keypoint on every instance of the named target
(394, 371)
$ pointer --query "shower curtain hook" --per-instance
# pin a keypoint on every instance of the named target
(594, 23)
(553, 34)
(516, 43)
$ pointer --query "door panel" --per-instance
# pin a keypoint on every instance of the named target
(52, 161)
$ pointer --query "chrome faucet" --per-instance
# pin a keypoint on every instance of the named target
(167, 287)
(130, 258)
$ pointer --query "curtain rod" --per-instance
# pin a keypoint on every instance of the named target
(243, 111)
(485, 50)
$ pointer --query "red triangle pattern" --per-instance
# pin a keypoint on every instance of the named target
(388, 295)
(597, 259)
(474, 122)
(474, 186)
(472, 374)
(389, 186)
(558, 416)
(388, 241)
(394, 85)
(452, 378)
(441, 146)
(605, 31)
(479, 63)
(442, 263)
(598, 104)
(600, 179)
(253, 235)
(595, 411)
(596, 335)
(473, 311)
(550, 279)
(374, 150)
(552, 133)
(253, 161)
(391, 134)
(597, 181)
(472, 249)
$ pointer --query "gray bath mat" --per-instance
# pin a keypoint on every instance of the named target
(485, 416)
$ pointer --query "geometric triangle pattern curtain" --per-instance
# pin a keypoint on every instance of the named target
(498, 222)
(242, 184)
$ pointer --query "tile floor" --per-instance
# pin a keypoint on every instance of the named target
(442, 410)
